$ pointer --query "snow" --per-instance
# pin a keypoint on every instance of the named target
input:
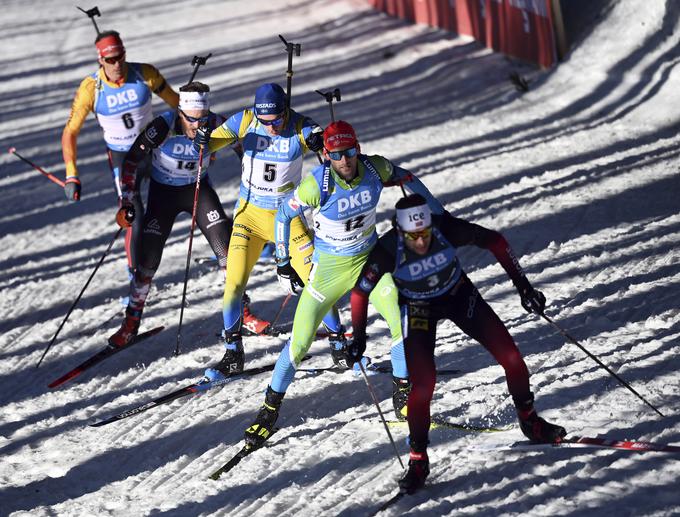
(580, 174)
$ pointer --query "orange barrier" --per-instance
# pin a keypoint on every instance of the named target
(519, 28)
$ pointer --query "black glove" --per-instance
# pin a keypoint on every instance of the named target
(532, 300)
(357, 347)
(126, 214)
(202, 138)
(315, 140)
(288, 278)
(72, 188)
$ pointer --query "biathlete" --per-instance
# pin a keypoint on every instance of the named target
(119, 94)
(169, 140)
(344, 194)
(420, 253)
(275, 139)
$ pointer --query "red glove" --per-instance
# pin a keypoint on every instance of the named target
(125, 215)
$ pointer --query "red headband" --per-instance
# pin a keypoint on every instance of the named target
(110, 45)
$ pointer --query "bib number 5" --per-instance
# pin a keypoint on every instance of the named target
(269, 173)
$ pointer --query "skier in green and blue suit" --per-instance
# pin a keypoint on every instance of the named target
(343, 193)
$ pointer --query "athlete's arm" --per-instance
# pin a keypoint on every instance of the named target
(157, 84)
(83, 104)
(153, 136)
(460, 232)
(306, 195)
(413, 185)
(379, 262)
(230, 131)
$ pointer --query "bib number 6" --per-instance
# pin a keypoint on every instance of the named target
(128, 121)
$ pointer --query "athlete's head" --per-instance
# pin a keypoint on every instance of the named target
(341, 147)
(414, 222)
(194, 107)
(111, 55)
(270, 107)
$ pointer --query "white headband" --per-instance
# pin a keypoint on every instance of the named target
(414, 218)
(193, 101)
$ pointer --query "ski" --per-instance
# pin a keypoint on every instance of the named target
(101, 355)
(630, 445)
(198, 387)
(236, 458)
(391, 501)
(584, 441)
(371, 368)
(323, 334)
(440, 423)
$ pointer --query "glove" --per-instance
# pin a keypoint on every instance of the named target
(72, 188)
(202, 138)
(315, 140)
(288, 278)
(532, 300)
(126, 214)
(357, 347)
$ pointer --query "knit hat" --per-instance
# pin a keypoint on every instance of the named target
(270, 99)
(339, 135)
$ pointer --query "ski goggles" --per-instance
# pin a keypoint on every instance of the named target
(276, 122)
(200, 120)
(420, 234)
(337, 155)
(112, 60)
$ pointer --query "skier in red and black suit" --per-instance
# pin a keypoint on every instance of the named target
(420, 253)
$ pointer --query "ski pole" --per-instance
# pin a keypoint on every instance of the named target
(191, 240)
(196, 62)
(278, 313)
(382, 417)
(290, 49)
(49, 176)
(91, 13)
(329, 96)
(73, 306)
(594, 358)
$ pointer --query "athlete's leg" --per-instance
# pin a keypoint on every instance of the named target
(331, 277)
(477, 319)
(213, 223)
(248, 237)
(157, 223)
(419, 340)
(301, 250)
(385, 299)
(164, 204)
(133, 235)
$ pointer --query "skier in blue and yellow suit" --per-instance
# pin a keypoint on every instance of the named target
(275, 139)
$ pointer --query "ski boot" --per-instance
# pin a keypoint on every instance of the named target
(400, 391)
(537, 429)
(252, 325)
(128, 330)
(418, 469)
(263, 426)
(233, 359)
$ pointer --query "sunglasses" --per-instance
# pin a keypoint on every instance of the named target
(414, 236)
(337, 155)
(276, 122)
(112, 60)
(200, 120)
